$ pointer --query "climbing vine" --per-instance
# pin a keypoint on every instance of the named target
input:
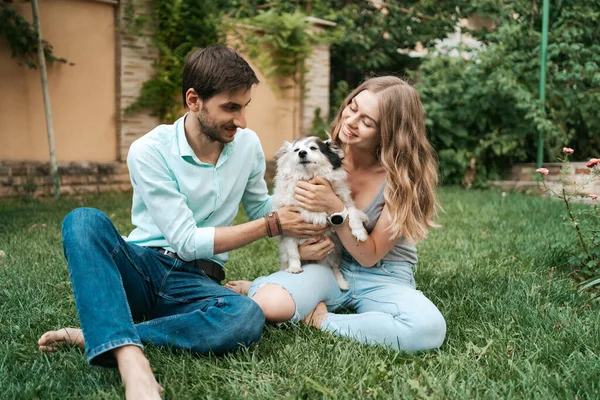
(177, 28)
(22, 37)
(279, 44)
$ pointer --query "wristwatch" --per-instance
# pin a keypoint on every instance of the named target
(338, 218)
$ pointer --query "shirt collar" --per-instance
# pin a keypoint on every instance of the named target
(183, 147)
(185, 150)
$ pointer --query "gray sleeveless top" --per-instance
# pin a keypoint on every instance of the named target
(403, 250)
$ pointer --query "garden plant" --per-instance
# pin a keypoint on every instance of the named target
(585, 221)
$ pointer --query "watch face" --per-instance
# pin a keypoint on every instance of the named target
(337, 219)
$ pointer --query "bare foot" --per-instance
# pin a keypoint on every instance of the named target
(136, 374)
(240, 287)
(53, 340)
(316, 316)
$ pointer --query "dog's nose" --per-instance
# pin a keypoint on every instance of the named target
(302, 153)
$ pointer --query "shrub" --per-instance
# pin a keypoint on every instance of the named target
(485, 104)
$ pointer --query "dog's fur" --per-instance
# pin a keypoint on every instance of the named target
(303, 160)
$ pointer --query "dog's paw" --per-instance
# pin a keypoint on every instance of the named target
(295, 267)
(360, 234)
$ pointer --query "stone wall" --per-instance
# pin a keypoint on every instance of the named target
(35, 179)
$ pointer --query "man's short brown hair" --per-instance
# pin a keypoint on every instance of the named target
(215, 69)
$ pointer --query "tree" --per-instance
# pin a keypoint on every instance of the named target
(26, 43)
(487, 106)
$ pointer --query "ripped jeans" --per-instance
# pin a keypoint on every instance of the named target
(388, 308)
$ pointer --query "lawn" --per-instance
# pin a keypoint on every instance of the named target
(517, 327)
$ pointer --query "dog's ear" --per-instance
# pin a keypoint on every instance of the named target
(334, 153)
(285, 147)
(334, 148)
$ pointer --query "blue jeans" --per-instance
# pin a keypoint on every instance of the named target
(129, 295)
(389, 309)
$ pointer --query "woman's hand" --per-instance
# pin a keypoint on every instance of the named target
(317, 196)
(316, 249)
(292, 224)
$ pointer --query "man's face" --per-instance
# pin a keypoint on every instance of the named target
(221, 115)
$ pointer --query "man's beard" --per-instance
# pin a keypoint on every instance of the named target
(208, 129)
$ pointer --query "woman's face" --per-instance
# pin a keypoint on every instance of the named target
(360, 122)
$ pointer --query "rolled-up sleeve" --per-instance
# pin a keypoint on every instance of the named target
(205, 245)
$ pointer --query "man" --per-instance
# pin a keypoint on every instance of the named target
(188, 180)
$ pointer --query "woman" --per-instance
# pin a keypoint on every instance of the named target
(392, 173)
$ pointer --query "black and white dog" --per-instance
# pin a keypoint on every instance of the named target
(303, 160)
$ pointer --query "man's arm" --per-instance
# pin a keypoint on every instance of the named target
(169, 211)
(229, 238)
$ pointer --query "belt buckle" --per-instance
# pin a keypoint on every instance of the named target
(169, 253)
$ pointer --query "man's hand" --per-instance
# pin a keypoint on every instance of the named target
(294, 225)
(316, 249)
(317, 196)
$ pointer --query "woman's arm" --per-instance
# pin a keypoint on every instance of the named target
(377, 245)
(318, 196)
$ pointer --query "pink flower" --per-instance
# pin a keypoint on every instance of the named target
(568, 150)
(543, 171)
(593, 196)
(592, 162)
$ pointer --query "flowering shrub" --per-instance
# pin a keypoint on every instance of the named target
(587, 259)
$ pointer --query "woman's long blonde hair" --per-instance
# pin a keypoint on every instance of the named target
(405, 154)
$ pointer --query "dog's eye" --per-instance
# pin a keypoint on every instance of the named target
(313, 148)
(295, 150)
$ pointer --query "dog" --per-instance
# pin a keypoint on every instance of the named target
(303, 160)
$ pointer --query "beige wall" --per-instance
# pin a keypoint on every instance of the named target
(82, 96)
(85, 100)
(273, 113)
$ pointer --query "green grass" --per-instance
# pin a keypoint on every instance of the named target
(517, 327)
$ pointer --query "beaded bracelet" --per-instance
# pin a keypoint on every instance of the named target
(273, 224)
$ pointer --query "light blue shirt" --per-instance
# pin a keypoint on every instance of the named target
(178, 200)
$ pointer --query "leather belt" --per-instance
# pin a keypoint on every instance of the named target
(210, 268)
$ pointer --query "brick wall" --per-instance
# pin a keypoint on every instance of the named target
(135, 56)
(317, 87)
(523, 178)
(316, 94)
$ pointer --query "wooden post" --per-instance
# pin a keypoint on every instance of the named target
(43, 73)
